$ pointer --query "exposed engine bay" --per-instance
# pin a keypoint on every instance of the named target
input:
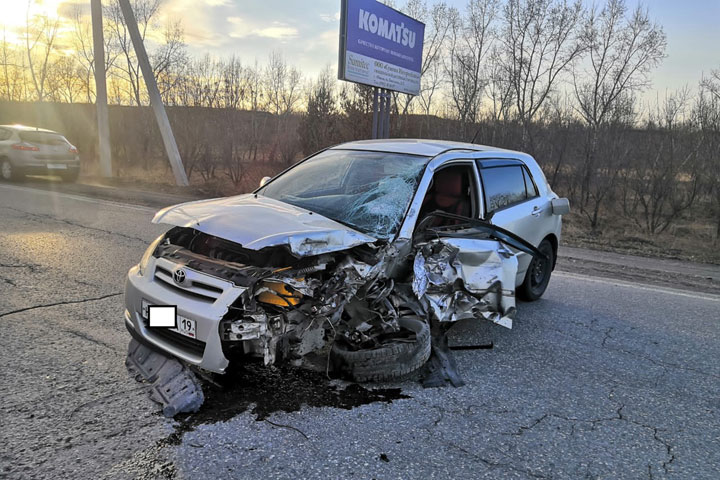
(366, 311)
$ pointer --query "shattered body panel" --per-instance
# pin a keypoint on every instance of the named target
(464, 278)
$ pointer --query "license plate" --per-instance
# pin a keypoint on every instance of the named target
(185, 326)
(56, 166)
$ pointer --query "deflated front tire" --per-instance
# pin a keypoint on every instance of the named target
(388, 362)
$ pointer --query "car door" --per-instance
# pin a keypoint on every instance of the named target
(511, 201)
(5, 135)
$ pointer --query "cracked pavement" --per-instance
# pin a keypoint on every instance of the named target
(599, 379)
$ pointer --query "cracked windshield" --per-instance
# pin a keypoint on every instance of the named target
(368, 191)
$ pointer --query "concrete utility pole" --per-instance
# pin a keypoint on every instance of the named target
(154, 93)
(101, 89)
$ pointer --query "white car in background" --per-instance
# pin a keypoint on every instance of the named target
(355, 254)
(36, 151)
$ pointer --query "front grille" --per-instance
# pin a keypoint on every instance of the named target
(199, 290)
(181, 341)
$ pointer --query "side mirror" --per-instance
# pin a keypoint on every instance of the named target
(264, 180)
(560, 206)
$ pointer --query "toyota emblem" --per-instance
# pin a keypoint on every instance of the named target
(179, 276)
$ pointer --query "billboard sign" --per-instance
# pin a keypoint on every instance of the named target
(380, 46)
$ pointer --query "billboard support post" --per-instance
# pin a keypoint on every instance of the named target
(388, 97)
(381, 114)
(375, 113)
(155, 99)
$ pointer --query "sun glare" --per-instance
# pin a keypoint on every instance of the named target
(14, 12)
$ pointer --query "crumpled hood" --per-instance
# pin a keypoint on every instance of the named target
(256, 222)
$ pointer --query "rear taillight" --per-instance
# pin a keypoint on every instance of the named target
(25, 146)
(73, 150)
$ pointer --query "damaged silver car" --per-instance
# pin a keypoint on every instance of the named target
(357, 258)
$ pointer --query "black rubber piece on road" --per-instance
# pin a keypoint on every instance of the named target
(538, 273)
(388, 362)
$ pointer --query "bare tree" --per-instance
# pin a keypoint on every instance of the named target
(65, 79)
(539, 40)
(170, 59)
(145, 12)
(437, 25)
(40, 34)
(621, 52)
(711, 84)
(82, 42)
(282, 86)
(318, 127)
(499, 88)
(13, 65)
(664, 178)
(706, 116)
(470, 41)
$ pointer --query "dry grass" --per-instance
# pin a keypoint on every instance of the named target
(689, 239)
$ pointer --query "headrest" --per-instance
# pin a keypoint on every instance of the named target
(448, 182)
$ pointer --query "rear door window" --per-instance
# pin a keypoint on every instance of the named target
(503, 186)
(43, 138)
(5, 134)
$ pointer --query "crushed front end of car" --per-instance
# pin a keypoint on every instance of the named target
(325, 297)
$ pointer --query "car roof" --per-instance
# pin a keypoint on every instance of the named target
(414, 146)
(25, 128)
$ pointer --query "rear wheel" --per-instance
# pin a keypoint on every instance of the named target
(8, 172)
(538, 273)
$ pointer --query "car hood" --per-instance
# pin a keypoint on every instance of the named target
(256, 222)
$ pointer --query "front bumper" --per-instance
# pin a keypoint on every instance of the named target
(206, 350)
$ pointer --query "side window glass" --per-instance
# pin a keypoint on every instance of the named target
(4, 134)
(503, 186)
(529, 185)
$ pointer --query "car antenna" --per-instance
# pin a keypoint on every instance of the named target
(475, 136)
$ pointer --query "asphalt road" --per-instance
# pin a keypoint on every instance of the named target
(602, 378)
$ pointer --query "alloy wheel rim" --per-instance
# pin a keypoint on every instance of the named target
(6, 170)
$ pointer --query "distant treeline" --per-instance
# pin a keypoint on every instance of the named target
(653, 175)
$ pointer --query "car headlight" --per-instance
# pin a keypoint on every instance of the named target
(148, 254)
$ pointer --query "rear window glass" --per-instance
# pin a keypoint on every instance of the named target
(503, 186)
(43, 138)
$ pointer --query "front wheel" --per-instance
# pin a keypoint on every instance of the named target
(8, 172)
(538, 273)
(388, 362)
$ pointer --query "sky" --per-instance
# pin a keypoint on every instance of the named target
(306, 31)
